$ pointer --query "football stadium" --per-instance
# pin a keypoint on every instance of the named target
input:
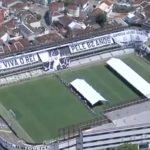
(54, 93)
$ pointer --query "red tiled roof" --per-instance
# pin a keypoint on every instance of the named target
(55, 6)
(95, 12)
(3, 30)
(56, 13)
(135, 2)
(10, 24)
(72, 6)
(80, 2)
(7, 2)
(48, 38)
(18, 6)
(24, 42)
(108, 2)
(2, 15)
(65, 20)
(16, 46)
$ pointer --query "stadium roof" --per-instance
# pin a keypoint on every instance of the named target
(87, 91)
(130, 75)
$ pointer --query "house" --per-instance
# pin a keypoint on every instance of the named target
(17, 7)
(12, 28)
(136, 2)
(10, 24)
(33, 22)
(76, 25)
(84, 4)
(80, 32)
(31, 26)
(30, 18)
(105, 5)
(15, 33)
(147, 11)
(55, 11)
(14, 46)
(2, 15)
(9, 31)
(5, 38)
(3, 30)
(48, 38)
(25, 31)
(65, 20)
(55, 16)
(73, 10)
(9, 3)
(36, 24)
(56, 6)
(66, 24)
(8, 43)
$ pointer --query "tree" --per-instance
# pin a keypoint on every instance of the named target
(38, 17)
(128, 147)
(48, 18)
(101, 18)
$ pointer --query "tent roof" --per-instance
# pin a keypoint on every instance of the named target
(130, 75)
(87, 91)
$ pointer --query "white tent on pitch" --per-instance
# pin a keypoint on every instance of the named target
(130, 75)
(87, 91)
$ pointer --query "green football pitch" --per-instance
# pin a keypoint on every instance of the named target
(44, 105)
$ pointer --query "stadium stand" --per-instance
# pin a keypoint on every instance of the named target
(75, 49)
(113, 137)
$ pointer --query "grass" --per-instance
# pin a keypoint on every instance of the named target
(14, 124)
(141, 66)
(42, 106)
(105, 82)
